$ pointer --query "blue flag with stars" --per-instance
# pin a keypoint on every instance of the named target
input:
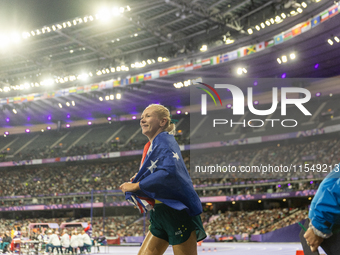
(164, 177)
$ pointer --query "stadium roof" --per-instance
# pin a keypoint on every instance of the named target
(86, 38)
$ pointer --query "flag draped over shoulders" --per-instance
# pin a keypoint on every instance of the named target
(164, 177)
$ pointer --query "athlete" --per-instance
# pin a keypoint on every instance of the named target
(163, 187)
(324, 215)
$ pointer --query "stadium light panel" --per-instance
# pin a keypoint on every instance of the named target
(104, 15)
(278, 19)
(204, 48)
(115, 11)
(15, 38)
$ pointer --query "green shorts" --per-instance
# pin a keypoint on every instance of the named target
(174, 226)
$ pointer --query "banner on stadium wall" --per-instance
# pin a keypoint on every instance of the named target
(303, 193)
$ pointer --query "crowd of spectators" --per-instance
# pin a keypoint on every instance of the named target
(50, 180)
(252, 222)
(54, 180)
(223, 224)
(296, 217)
(42, 183)
(113, 226)
(312, 159)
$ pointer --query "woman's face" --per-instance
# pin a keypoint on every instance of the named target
(150, 123)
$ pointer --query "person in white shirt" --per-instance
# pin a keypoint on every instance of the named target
(80, 242)
(46, 235)
(47, 238)
(74, 242)
(87, 241)
(53, 241)
(40, 236)
(65, 241)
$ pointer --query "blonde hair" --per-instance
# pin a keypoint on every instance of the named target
(164, 112)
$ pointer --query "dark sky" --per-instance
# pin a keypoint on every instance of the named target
(25, 15)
